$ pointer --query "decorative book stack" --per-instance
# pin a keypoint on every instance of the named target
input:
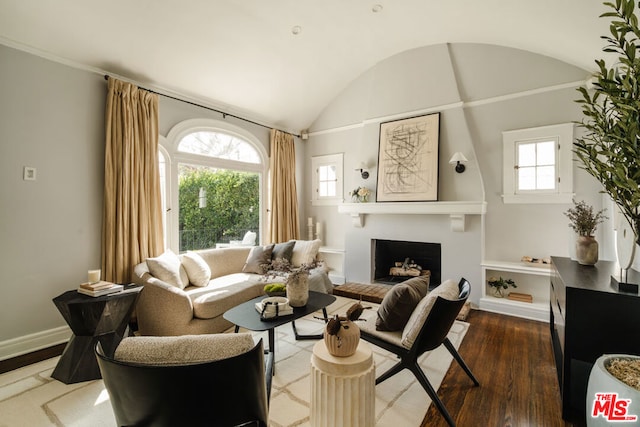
(96, 289)
(515, 296)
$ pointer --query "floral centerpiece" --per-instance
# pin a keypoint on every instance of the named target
(499, 284)
(360, 194)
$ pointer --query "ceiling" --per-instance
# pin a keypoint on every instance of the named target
(242, 57)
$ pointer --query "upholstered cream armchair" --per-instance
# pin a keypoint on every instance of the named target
(189, 380)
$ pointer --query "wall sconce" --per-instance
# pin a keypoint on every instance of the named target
(458, 159)
(363, 170)
(202, 198)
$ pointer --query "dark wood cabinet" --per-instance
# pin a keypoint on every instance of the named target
(589, 318)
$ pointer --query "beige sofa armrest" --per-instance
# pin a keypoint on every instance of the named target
(141, 273)
(163, 309)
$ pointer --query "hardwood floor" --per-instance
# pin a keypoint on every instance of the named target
(513, 361)
(27, 359)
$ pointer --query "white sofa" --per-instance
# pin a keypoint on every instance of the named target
(188, 294)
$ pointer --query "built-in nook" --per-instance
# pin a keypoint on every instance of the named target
(400, 254)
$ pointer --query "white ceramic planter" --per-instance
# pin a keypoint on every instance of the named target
(609, 400)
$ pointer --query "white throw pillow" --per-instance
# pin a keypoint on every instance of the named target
(305, 252)
(447, 290)
(197, 269)
(168, 268)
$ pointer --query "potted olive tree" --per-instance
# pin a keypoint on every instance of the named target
(610, 148)
(610, 152)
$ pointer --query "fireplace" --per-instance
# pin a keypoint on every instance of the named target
(386, 253)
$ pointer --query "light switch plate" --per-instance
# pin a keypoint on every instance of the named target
(29, 173)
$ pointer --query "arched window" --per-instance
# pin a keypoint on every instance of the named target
(217, 182)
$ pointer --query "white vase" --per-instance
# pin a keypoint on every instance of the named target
(610, 401)
(298, 289)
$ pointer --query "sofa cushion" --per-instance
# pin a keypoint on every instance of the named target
(398, 304)
(168, 268)
(224, 293)
(258, 260)
(283, 251)
(182, 350)
(447, 290)
(304, 252)
(197, 269)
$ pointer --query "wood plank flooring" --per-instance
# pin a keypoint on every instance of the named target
(513, 361)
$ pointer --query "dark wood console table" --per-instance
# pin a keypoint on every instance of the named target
(589, 318)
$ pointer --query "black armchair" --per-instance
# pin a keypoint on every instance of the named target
(433, 318)
(230, 391)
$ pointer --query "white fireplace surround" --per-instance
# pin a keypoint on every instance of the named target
(457, 210)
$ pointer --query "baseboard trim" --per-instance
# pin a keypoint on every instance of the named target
(34, 342)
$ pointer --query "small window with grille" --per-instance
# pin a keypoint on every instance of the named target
(537, 165)
(327, 182)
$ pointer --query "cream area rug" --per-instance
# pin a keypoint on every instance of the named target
(30, 397)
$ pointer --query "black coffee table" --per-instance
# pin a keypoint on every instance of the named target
(246, 316)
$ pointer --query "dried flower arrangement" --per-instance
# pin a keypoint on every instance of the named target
(280, 267)
(582, 218)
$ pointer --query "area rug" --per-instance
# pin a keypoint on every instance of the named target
(30, 397)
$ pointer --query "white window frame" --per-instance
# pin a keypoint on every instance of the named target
(176, 157)
(166, 191)
(563, 193)
(336, 160)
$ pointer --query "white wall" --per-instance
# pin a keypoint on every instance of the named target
(51, 118)
(480, 90)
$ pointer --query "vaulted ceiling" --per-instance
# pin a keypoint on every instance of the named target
(244, 56)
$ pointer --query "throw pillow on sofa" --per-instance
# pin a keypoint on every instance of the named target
(305, 252)
(283, 251)
(258, 260)
(168, 268)
(197, 269)
(398, 304)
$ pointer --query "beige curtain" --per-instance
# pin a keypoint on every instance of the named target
(132, 221)
(283, 219)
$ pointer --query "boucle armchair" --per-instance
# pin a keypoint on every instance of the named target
(188, 380)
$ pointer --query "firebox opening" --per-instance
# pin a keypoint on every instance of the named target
(395, 261)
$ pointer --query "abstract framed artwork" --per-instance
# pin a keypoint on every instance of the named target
(408, 159)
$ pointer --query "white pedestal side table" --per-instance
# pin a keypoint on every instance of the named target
(342, 388)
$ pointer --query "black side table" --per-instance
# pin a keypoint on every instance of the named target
(103, 319)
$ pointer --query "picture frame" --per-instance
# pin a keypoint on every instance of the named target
(408, 157)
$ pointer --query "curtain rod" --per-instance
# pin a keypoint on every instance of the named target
(224, 115)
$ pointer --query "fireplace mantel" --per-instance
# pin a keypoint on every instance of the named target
(457, 211)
